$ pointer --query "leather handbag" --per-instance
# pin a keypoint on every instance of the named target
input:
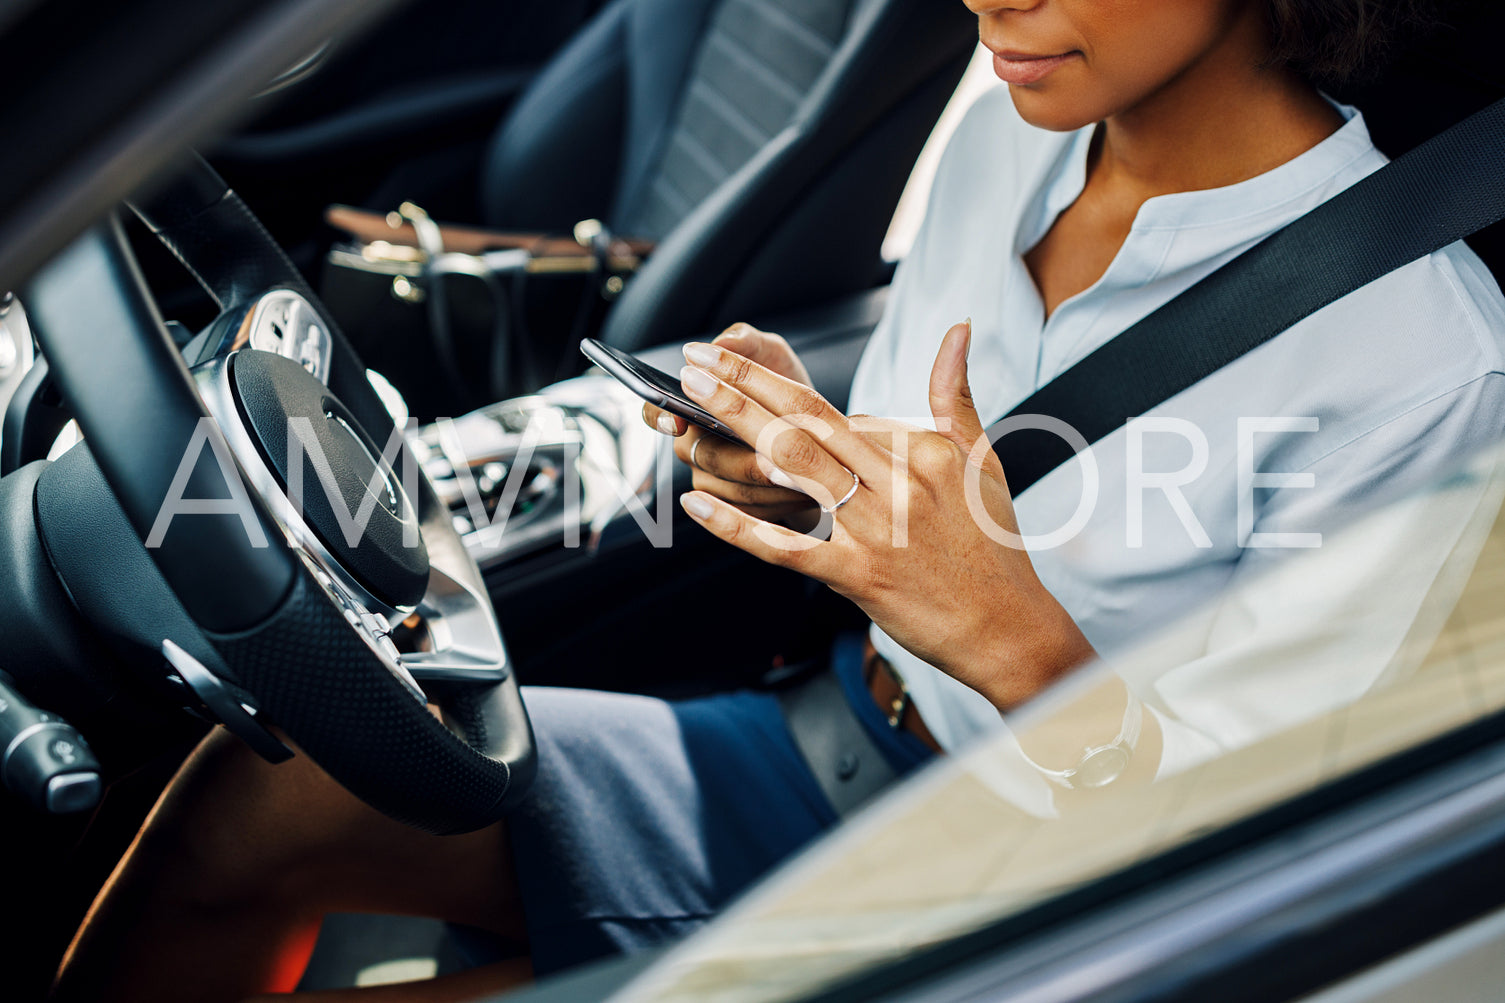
(460, 316)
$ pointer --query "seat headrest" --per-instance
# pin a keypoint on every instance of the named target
(1435, 80)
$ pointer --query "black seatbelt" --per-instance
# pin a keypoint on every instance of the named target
(1447, 189)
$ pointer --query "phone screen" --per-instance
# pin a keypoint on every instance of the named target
(657, 378)
(650, 383)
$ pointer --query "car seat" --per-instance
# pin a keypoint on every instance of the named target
(762, 143)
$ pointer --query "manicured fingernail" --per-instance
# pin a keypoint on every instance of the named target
(667, 425)
(697, 381)
(697, 505)
(780, 478)
(701, 354)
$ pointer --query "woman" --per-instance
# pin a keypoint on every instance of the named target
(1178, 132)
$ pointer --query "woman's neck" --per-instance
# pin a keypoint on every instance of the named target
(1223, 120)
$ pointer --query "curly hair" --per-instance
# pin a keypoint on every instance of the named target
(1340, 41)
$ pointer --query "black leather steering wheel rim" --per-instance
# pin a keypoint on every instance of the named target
(283, 632)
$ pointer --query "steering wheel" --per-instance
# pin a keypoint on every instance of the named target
(337, 632)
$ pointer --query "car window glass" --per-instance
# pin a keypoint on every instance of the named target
(980, 836)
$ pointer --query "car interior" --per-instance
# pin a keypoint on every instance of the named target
(453, 194)
(758, 149)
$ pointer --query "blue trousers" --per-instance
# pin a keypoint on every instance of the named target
(648, 816)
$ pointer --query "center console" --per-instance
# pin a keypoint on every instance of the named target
(569, 503)
(550, 470)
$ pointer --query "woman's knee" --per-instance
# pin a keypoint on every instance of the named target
(235, 827)
(241, 831)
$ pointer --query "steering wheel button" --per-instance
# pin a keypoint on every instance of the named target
(375, 624)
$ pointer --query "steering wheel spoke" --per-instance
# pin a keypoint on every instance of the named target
(281, 321)
(460, 639)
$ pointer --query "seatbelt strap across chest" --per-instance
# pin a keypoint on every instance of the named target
(1449, 188)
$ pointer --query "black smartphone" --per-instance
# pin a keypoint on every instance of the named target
(653, 385)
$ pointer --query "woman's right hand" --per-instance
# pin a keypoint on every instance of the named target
(726, 469)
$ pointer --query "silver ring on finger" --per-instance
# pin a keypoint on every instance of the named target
(856, 483)
(693, 462)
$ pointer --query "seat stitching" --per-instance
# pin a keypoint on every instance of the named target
(802, 31)
(762, 70)
(665, 189)
(729, 112)
(697, 151)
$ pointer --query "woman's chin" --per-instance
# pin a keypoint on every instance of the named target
(1051, 109)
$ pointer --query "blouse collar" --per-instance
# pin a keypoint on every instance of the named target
(1066, 176)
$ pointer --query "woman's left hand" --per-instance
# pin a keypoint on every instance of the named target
(909, 545)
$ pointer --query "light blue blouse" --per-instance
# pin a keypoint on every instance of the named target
(1388, 388)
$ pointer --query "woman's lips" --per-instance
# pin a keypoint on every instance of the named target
(1022, 70)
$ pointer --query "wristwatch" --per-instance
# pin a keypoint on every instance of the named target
(1100, 765)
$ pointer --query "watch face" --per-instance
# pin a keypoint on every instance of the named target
(1100, 767)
